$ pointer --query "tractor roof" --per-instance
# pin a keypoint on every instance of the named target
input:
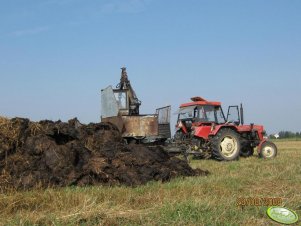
(200, 101)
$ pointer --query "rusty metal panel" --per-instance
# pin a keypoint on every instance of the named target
(140, 126)
(117, 121)
(135, 126)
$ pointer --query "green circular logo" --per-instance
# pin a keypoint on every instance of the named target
(282, 215)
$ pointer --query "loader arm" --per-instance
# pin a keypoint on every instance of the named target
(125, 84)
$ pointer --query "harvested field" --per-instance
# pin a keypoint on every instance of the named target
(50, 154)
(182, 201)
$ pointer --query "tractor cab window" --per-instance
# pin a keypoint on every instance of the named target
(187, 116)
(187, 113)
(206, 114)
(209, 113)
(220, 117)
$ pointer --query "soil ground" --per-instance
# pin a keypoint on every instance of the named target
(50, 154)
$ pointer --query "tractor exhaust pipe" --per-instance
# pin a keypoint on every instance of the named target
(241, 114)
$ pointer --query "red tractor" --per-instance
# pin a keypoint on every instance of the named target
(203, 127)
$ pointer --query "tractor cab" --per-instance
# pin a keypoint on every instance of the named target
(200, 112)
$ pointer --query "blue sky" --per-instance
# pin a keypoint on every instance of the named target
(56, 55)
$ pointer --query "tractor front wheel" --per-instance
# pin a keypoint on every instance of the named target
(226, 145)
(268, 150)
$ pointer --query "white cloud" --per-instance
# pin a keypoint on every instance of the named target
(31, 31)
(60, 2)
(125, 6)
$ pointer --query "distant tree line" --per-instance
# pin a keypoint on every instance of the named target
(286, 134)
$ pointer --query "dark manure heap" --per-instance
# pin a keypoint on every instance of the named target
(51, 154)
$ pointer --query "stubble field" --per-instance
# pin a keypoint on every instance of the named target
(210, 200)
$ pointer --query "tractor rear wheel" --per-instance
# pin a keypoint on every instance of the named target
(268, 150)
(226, 145)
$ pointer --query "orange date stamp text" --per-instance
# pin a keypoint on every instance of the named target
(258, 201)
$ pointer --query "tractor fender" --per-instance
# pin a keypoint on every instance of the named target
(260, 144)
(217, 128)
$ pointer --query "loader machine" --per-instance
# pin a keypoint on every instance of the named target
(120, 106)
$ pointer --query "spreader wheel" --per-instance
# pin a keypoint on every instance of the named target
(226, 145)
(268, 150)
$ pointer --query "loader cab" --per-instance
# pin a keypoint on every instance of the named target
(125, 105)
(122, 99)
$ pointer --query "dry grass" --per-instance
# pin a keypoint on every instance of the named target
(184, 201)
(10, 129)
(7, 129)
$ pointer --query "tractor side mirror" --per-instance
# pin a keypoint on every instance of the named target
(233, 115)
